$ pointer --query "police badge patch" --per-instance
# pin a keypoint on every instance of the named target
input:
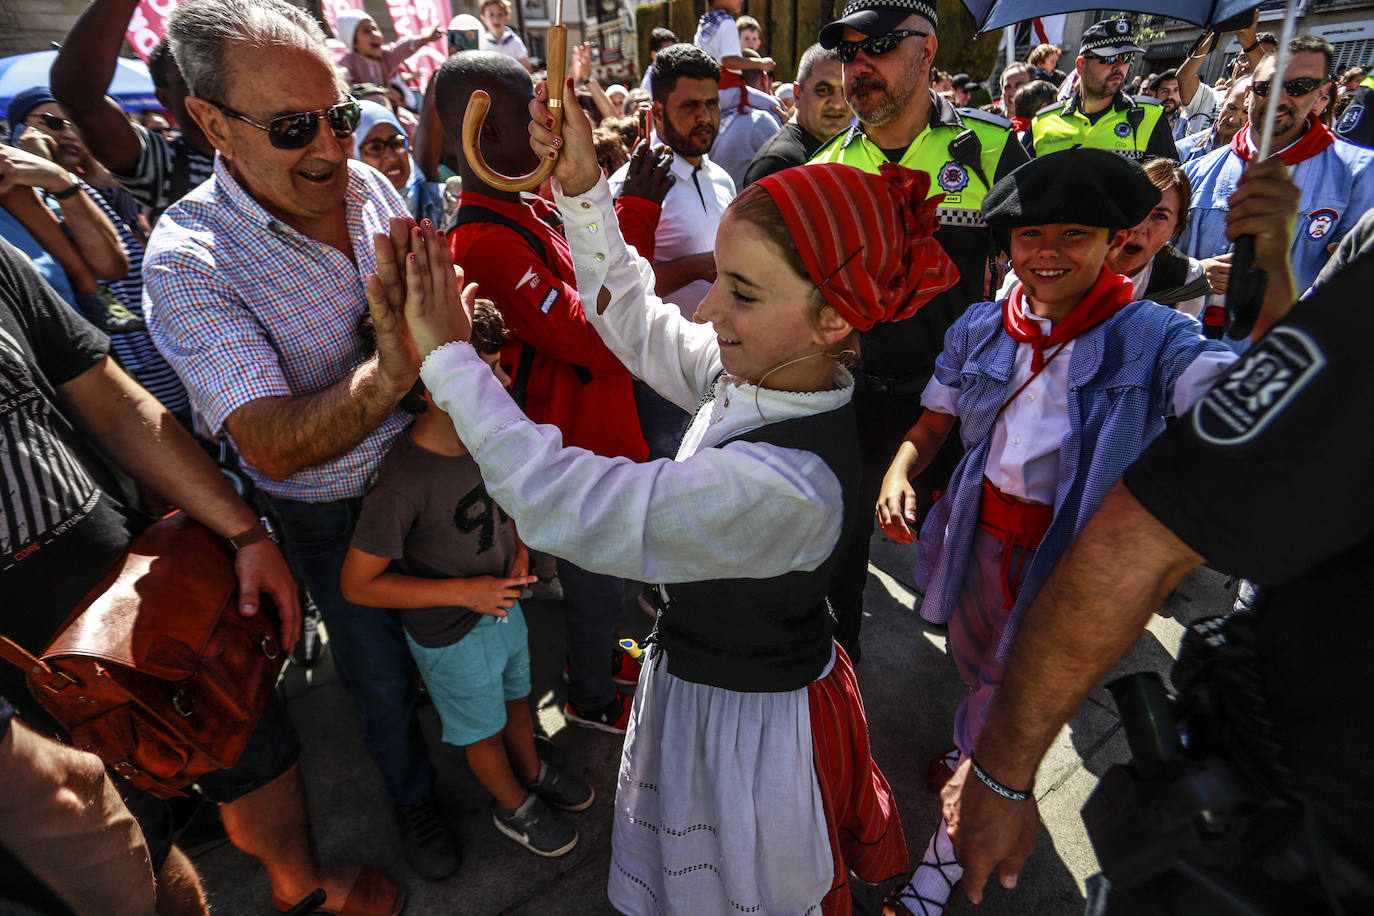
(1258, 388)
(1350, 118)
(1123, 130)
(953, 177)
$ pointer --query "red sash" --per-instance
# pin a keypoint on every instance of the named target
(1020, 526)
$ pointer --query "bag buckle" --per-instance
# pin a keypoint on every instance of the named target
(269, 647)
(59, 673)
(183, 701)
(125, 768)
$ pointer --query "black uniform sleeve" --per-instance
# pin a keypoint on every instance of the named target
(1266, 476)
(1161, 142)
(763, 164)
(1028, 141)
(63, 343)
(1013, 154)
(1357, 122)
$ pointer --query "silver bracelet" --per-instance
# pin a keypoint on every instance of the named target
(994, 785)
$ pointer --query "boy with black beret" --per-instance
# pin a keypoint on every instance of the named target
(1057, 389)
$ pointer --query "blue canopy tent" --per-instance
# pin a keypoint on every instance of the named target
(132, 87)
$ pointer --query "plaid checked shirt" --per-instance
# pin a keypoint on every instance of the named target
(245, 307)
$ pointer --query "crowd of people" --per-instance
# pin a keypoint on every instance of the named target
(764, 315)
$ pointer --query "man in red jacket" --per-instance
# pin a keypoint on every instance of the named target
(562, 373)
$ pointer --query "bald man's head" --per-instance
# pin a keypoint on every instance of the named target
(505, 136)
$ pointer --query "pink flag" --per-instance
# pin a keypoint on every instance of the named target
(416, 17)
(149, 25)
(332, 9)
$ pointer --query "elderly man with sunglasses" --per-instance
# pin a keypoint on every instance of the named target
(1099, 114)
(1335, 177)
(254, 292)
(886, 48)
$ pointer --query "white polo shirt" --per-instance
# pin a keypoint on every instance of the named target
(509, 44)
(691, 216)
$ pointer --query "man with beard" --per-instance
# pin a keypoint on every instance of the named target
(686, 116)
(1335, 176)
(822, 112)
(1099, 113)
(686, 119)
(886, 48)
(1165, 88)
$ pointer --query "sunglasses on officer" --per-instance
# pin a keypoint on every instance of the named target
(1294, 87)
(295, 131)
(877, 46)
(1123, 58)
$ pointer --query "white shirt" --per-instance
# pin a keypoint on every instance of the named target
(1023, 457)
(509, 44)
(739, 140)
(691, 216)
(1201, 111)
(743, 509)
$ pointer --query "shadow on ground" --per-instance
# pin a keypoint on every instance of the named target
(910, 691)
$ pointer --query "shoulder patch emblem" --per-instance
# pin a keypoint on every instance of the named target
(1320, 223)
(1258, 388)
(1122, 129)
(953, 177)
(1350, 118)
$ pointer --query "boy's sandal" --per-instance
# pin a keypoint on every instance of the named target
(372, 894)
(892, 903)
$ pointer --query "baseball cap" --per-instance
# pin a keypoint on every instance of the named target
(875, 17)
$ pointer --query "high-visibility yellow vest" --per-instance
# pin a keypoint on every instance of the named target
(1064, 126)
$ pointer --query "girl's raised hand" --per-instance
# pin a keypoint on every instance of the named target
(577, 170)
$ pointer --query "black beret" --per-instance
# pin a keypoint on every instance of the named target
(1091, 187)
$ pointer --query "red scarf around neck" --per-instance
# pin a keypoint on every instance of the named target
(1317, 138)
(1109, 294)
(1020, 125)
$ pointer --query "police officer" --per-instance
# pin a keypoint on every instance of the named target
(1241, 482)
(886, 48)
(1099, 113)
(1357, 123)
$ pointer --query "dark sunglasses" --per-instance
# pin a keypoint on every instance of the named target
(1123, 58)
(877, 46)
(396, 144)
(53, 122)
(295, 131)
(1295, 87)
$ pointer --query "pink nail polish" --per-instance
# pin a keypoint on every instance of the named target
(553, 154)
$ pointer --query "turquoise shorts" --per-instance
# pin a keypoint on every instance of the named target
(472, 680)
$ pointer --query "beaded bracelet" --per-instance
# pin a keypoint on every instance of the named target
(994, 785)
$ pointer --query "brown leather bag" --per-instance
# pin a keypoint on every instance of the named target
(156, 671)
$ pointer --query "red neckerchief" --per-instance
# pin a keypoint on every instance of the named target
(1108, 295)
(1317, 138)
(1020, 125)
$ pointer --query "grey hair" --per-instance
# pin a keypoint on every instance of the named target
(812, 56)
(202, 33)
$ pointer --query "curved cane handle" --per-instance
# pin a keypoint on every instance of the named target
(476, 114)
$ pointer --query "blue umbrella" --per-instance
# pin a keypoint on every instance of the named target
(132, 87)
(996, 14)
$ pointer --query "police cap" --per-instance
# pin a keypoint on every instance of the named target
(1091, 187)
(1109, 38)
(875, 17)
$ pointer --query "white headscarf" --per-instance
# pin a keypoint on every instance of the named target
(347, 24)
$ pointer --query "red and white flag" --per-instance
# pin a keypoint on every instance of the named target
(332, 9)
(416, 17)
(148, 25)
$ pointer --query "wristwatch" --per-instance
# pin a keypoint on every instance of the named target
(247, 538)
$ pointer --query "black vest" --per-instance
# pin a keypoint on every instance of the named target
(1169, 279)
(764, 635)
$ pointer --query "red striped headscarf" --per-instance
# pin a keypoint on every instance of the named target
(866, 239)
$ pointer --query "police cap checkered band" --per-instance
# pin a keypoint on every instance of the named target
(1110, 36)
(919, 7)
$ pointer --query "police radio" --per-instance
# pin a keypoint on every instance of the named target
(967, 150)
(1135, 116)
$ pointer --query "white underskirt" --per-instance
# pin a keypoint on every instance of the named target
(718, 809)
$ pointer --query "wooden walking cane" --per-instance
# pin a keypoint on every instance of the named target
(479, 102)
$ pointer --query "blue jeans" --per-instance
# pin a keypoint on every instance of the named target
(594, 603)
(662, 422)
(369, 646)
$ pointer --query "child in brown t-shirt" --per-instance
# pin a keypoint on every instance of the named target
(432, 544)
